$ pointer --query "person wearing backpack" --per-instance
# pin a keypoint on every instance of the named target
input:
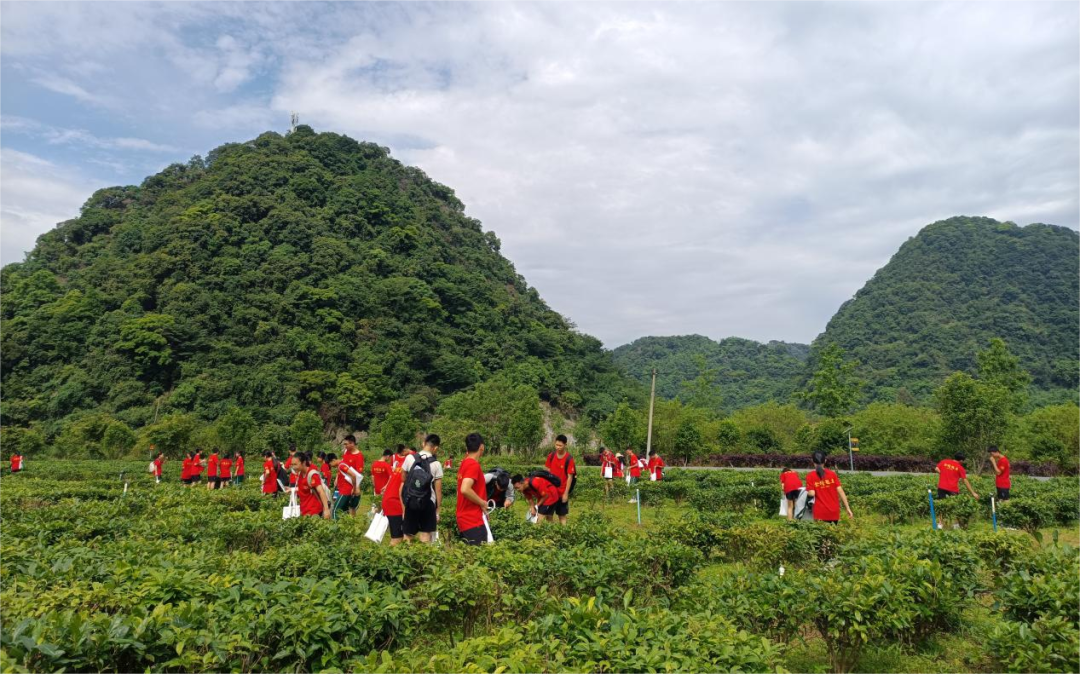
(500, 489)
(421, 491)
(560, 464)
(539, 492)
(472, 496)
(310, 490)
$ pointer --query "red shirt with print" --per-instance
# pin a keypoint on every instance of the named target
(269, 485)
(470, 515)
(356, 462)
(950, 474)
(310, 503)
(225, 468)
(239, 465)
(380, 475)
(212, 466)
(656, 466)
(561, 467)
(826, 497)
(635, 467)
(391, 503)
(790, 481)
(1003, 480)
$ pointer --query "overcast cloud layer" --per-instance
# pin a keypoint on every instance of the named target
(722, 169)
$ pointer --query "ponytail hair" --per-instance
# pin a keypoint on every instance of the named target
(819, 463)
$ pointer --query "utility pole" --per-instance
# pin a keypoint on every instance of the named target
(851, 455)
(652, 398)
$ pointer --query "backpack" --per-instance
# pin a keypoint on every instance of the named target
(418, 484)
(565, 469)
(281, 474)
(547, 475)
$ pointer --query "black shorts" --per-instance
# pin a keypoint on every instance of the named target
(347, 503)
(194, 478)
(417, 521)
(1003, 494)
(396, 524)
(792, 495)
(559, 508)
(475, 536)
(185, 480)
(238, 478)
(829, 521)
(944, 493)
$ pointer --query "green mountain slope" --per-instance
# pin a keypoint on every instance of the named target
(953, 287)
(746, 372)
(308, 271)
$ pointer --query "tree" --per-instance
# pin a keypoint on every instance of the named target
(998, 366)
(703, 391)
(399, 426)
(974, 414)
(172, 434)
(235, 430)
(892, 429)
(834, 388)
(118, 440)
(306, 431)
(687, 440)
(619, 430)
(728, 435)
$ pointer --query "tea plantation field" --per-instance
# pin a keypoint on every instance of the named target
(166, 578)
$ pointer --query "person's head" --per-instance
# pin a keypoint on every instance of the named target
(819, 463)
(304, 459)
(267, 454)
(292, 450)
(474, 445)
(330, 458)
(784, 469)
(387, 453)
(213, 452)
(994, 451)
(350, 443)
(959, 456)
(560, 443)
(239, 455)
(322, 456)
(432, 442)
(401, 449)
(518, 480)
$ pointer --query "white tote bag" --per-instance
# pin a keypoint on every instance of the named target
(377, 530)
(150, 468)
(607, 472)
(783, 505)
(628, 478)
(652, 476)
(293, 509)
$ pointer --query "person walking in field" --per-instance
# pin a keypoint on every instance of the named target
(197, 465)
(421, 491)
(289, 460)
(350, 475)
(539, 492)
(824, 485)
(472, 497)
(224, 472)
(561, 465)
(392, 506)
(326, 468)
(185, 469)
(212, 470)
(310, 490)
(950, 472)
(402, 453)
(269, 476)
(790, 485)
(238, 478)
(656, 467)
(1002, 479)
(607, 469)
(634, 466)
(158, 463)
(16, 462)
(380, 471)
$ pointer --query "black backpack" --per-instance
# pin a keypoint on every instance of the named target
(547, 475)
(418, 484)
(281, 475)
(565, 469)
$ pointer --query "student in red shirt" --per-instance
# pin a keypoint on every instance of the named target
(212, 470)
(310, 490)
(538, 492)
(824, 485)
(185, 469)
(224, 471)
(448, 464)
(619, 467)
(392, 506)
(238, 478)
(380, 471)
(607, 469)
(269, 478)
(950, 472)
(350, 474)
(289, 461)
(790, 484)
(197, 467)
(1003, 481)
(656, 468)
(324, 466)
(634, 465)
(561, 465)
(472, 500)
(159, 461)
(403, 453)
(16, 462)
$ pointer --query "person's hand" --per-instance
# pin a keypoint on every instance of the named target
(850, 515)
(325, 514)
(565, 496)
(509, 502)
(976, 496)
(532, 511)
(436, 515)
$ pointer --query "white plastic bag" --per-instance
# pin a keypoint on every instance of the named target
(150, 468)
(293, 509)
(487, 527)
(627, 478)
(377, 531)
(607, 472)
(783, 505)
(532, 517)
(652, 476)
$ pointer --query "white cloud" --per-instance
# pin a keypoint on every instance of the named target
(58, 136)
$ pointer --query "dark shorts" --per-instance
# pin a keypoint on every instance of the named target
(475, 536)
(194, 478)
(396, 526)
(557, 508)
(1003, 494)
(347, 503)
(792, 495)
(417, 521)
(238, 479)
(944, 493)
(185, 480)
(829, 521)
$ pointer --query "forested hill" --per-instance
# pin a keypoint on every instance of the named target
(953, 287)
(742, 372)
(307, 271)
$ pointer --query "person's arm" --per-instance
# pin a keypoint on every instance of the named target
(437, 484)
(509, 495)
(569, 483)
(843, 499)
(968, 485)
(994, 463)
(324, 500)
(469, 494)
(937, 470)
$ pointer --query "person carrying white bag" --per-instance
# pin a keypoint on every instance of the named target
(310, 492)
(790, 488)
(472, 500)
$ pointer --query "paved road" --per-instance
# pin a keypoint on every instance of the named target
(878, 473)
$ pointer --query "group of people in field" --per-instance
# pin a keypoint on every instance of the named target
(221, 470)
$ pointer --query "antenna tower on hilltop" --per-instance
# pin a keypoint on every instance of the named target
(294, 119)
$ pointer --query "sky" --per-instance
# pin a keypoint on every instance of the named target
(725, 169)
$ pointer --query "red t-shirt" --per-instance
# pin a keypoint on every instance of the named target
(356, 461)
(656, 465)
(326, 471)
(196, 465)
(635, 469)
(185, 469)
(561, 468)
(225, 468)
(540, 489)
(391, 503)
(380, 475)
(212, 466)
(826, 498)
(157, 467)
(16, 463)
(310, 504)
(470, 515)
(1003, 481)
(239, 465)
(790, 481)
(292, 475)
(269, 485)
(951, 472)
(399, 459)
